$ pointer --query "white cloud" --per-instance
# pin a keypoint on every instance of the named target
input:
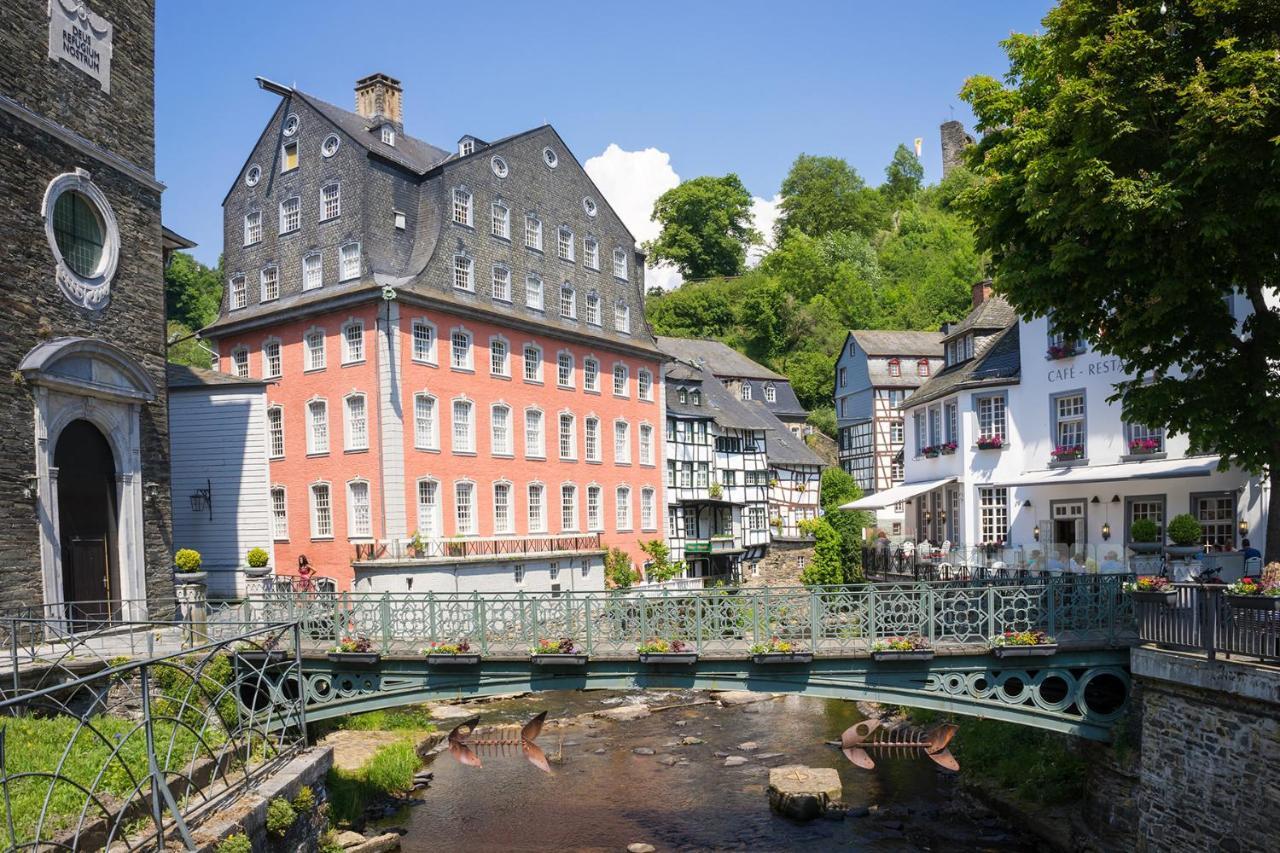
(632, 182)
(764, 212)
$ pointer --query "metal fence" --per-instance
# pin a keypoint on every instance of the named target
(1202, 617)
(844, 619)
(98, 751)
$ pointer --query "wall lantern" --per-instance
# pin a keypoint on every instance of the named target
(942, 516)
(1027, 503)
(202, 499)
(1115, 499)
(1244, 527)
(1095, 500)
(1106, 531)
(1036, 532)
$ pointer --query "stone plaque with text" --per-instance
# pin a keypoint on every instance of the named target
(81, 38)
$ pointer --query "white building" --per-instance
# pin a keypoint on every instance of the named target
(1015, 441)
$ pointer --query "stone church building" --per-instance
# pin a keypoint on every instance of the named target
(84, 491)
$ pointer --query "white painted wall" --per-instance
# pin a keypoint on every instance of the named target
(582, 574)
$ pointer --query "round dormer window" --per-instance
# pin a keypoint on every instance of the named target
(83, 235)
(499, 166)
(330, 145)
(550, 157)
(589, 205)
(291, 125)
(252, 176)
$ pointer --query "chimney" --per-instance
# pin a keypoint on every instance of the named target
(981, 292)
(954, 141)
(378, 96)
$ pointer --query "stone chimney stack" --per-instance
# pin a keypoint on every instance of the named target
(378, 96)
(954, 141)
(981, 292)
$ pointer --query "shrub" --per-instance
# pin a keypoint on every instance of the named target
(825, 569)
(257, 558)
(305, 800)
(617, 569)
(238, 843)
(1144, 530)
(391, 769)
(1185, 531)
(280, 817)
(187, 560)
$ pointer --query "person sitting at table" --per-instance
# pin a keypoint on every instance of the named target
(1248, 551)
(1034, 561)
(1111, 563)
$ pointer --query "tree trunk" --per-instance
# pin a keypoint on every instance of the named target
(1272, 551)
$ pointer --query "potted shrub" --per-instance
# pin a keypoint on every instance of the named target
(910, 647)
(1152, 589)
(1249, 594)
(666, 651)
(1186, 534)
(715, 491)
(417, 547)
(451, 654)
(1066, 453)
(186, 567)
(1023, 644)
(355, 651)
(947, 448)
(456, 548)
(1143, 446)
(1145, 535)
(779, 651)
(256, 562)
(561, 652)
(990, 442)
(265, 650)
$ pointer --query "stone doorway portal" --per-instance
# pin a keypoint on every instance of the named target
(88, 521)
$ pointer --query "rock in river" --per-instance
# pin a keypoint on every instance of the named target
(690, 740)
(740, 697)
(749, 746)
(734, 761)
(640, 847)
(803, 793)
(642, 750)
(625, 713)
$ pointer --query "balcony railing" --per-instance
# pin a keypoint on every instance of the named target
(1202, 617)
(470, 547)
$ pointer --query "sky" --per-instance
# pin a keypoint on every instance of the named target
(644, 94)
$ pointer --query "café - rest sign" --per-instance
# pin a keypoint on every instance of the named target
(82, 38)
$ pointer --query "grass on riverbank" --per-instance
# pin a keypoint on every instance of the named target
(388, 772)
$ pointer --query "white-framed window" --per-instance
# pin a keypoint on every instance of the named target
(290, 214)
(290, 125)
(499, 357)
(426, 432)
(353, 342)
(622, 507)
(568, 507)
(502, 522)
(240, 361)
(644, 384)
(269, 284)
(314, 349)
(330, 201)
(646, 444)
(594, 520)
(279, 514)
(289, 157)
(312, 271)
(463, 273)
(464, 507)
(317, 427)
(756, 518)
(537, 508)
(1144, 439)
(357, 422)
(532, 363)
(388, 134)
(252, 175)
(591, 430)
(429, 526)
(500, 220)
(564, 370)
(349, 261)
(745, 392)
(424, 341)
(253, 227)
(568, 301)
(533, 293)
(330, 145)
(460, 350)
(1068, 428)
(896, 432)
(359, 513)
(568, 437)
(549, 157)
(770, 393)
(951, 420)
(534, 442)
(649, 516)
(239, 297)
(321, 512)
(622, 442)
(464, 427)
(533, 232)
(500, 430)
(564, 244)
(593, 308)
(591, 374)
(622, 317)
(991, 416)
(993, 519)
(619, 263)
(619, 380)
(591, 253)
(466, 146)
(501, 284)
(399, 220)
(275, 432)
(462, 207)
(499, 166)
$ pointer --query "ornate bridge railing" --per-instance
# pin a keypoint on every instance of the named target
(1202, 617)
(845, 620)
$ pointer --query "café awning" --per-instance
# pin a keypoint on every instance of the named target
(1155, 469)
(897, 494)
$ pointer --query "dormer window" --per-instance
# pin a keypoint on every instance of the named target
(696, 396)
(770, 394)
(746, 391)
(388, 134)
(960, 349)
(895, 367)
(922, 367)
(466, 146)
(684, 396)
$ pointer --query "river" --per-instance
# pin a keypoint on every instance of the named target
(603, 796)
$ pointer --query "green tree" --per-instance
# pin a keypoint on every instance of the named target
(192, 291)
(186, 349)
(839, 488)
(706, 227)
(826, 568)
(617, 569)
(1127, 183)
(660, 567)
(928, 267)
(825, 194)
(903, 176)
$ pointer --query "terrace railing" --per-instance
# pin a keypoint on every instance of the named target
(403, 550)
(1203, 618)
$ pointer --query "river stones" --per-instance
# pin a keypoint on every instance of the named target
(642, 750)
(690, 740)
(740, 697)
(803, 793)
(640, 847)
(669, 760)
(625, 713)
(450, 712)
(734, 761)
(599, 751)
(682, 723)
(749, 746)
(769, 756)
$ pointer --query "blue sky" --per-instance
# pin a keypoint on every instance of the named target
(654, 91)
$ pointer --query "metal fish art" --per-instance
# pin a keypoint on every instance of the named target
(467, 741)
(859, 738)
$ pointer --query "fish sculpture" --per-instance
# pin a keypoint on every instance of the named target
(861, 738)
(467, 741)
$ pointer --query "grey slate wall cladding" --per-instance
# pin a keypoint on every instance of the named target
(32, 305)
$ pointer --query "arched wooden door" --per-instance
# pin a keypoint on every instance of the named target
(88, 522)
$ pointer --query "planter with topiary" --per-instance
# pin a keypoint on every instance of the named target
(1144, 537)
(1186, 534)
(257, 563)
(186, 568)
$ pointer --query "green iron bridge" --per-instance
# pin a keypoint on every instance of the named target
(1081, 688)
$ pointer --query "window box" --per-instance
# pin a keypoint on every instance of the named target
(1168, 597)
(902, 654)
(558, 659)
(355, 658)
(1061, 351)
(1067, 454)
(262, 657)
(1037, 651)
(994, 442)
(1145, 446)
(930, 452)
(1254, 602)
(773, 658)
(678, 658)
(947, 448)
(445, 659)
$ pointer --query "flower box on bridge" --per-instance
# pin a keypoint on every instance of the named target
(356, 658)
(681, 658)
(445, 659)
(1254, 602)
(902, 654)
(259, 656)
(1037, 651)
(559, 660)
(767, 658)
(1166, 597)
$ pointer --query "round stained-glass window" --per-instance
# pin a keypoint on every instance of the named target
(330, 145)
(291, 125)
(79, 232)
(252, 176)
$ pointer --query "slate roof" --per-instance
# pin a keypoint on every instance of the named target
(409, 152)
(784, 447)
(718, 402)
(720, 358)
(998, 364)
(876, 342)
(182, 376)
(993, 313)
